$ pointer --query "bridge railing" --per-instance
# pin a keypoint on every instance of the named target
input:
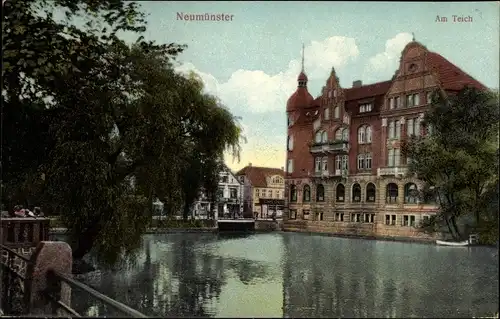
(42, 283)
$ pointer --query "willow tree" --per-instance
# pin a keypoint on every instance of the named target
(458, 157)
(108, 123)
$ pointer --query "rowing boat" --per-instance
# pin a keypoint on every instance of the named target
(452, 243)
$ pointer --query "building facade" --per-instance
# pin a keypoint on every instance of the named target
(263, 191)
(229, 202)
(345, 170)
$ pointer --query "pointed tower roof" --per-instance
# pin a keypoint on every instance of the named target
(301, 98)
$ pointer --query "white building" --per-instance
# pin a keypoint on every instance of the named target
(229, 202)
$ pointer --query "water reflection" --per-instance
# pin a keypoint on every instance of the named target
(296, 275)
(333, 277)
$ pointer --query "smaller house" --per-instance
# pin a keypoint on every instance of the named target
(229, 202)
(263, 191)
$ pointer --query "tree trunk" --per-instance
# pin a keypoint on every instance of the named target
(449, 226)
(454, 223)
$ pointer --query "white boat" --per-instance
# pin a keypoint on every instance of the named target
(452, 243)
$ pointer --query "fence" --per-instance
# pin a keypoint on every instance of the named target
(42, 283)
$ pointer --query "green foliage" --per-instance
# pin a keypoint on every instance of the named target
(459, 159)
(96, 129)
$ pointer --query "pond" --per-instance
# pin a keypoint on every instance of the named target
(298, 275)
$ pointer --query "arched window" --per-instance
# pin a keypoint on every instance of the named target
(290, 143)
(340, 193)
(327, 113)
(324, 137)
(356, 193)
(411, 193)
(345, 134)
(391, 193)
(336, 112)
(306, 197)
(338, 134)
(320, 193)
(370, 192)
(293, 193)
(361, 135)
(368, 134)
(317, 138)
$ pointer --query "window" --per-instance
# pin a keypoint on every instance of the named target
(233, 193)
(429, 98)
(345, 134)
(324, 137)
(277, 194)
(411, 193)
(358, 218)
(292, 214)
(336, 112)
(361, 161)
(412, 221)
(365, 108)
(406, 220)
(290, 166)
(293, 193)
(290, 143)
(361, 135)
(269, 194)
(330, 94)
(416, 128)
(368, 134)
(325, 164)
(334, 93)
(339, 217)
(306, 193)
(319, 216)
(390, 219)
(398, 130)
(372, 218)
(338, 134)
(317, 137)
(391, 193)
(340, 193)
(327, 113)
(398, 101)
(367, 218)
(345, 159)
(305, 214)
(409, 127)
(391, 103)
(412, 100)
(356, 193)
(338, 163)
(225, 179)
(320, 193)
(368, 161)
(317, 164)
(257, 193)
(393, 158)
(290, 120)
(392, 131)
(370, 193)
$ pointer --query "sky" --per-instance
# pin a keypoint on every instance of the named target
(252, 61)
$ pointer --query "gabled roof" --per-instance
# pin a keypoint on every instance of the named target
(450, 76)
(257, 175)
(229, 171)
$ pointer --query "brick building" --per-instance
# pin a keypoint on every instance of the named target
(345, 172)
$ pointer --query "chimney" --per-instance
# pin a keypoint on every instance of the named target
(250, 164)
(357, 84)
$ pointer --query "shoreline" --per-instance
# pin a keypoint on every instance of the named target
(61, 231)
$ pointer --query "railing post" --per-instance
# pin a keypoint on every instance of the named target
(49, 255)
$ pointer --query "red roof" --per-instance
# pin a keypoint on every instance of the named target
(450, 76)
(369, 90)
(302, 77)
(257, 175)
(300, 99)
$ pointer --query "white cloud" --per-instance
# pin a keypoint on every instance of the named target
(385, 63)
(259, 92)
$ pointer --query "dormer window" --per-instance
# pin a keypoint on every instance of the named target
(367, 107)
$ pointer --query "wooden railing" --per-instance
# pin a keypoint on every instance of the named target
(41, 284)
